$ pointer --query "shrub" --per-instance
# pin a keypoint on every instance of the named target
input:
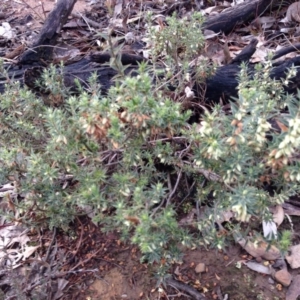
(129, 156)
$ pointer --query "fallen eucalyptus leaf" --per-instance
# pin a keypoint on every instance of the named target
(257, 267)
(269, 229)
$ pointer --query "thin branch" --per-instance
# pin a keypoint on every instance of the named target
(186, 288)
(175, 188)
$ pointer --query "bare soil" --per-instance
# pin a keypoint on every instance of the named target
(121, 275)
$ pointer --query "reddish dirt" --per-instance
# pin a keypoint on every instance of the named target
(120, 275)
(38, 9)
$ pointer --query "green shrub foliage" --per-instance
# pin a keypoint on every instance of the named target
(129, 158)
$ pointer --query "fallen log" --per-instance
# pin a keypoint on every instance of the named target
(222, 85)
(239, 14)
(80, 71)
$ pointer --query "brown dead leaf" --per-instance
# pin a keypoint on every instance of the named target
(293, 13)
(278, 214)
(16, 52)
(282, 127)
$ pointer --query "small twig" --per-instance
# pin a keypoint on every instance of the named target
(197, 202)
(87, 21)
(62, 274)
(50, 246)
(111, 159)
(188, 194)
(110, 262)
(208, 174)
(169, 182)
(175, 188)
(43, 9)
(179, 294)
(157, 208)
(168, 81)
(186, 288)
(170, 195)
(180, 138)
(182, 152)
(229, 263)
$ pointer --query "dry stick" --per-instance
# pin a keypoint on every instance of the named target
(62, 274)
(80, 239)
(44, 12)
(51, 244)
(88, 21)
(170, 196)
(286, 50)
(23, 1)
(207, 174)
(79, 242)
(188, 193)
(186, 288)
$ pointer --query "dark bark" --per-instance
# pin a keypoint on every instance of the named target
(42, 48)
(239, 14)
(223, 84)
(80, 70)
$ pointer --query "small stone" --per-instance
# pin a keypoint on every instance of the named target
(283, 277)
(200, 268)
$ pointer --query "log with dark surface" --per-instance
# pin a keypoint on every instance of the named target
(42, 48)
(239, 14)
(223, 84)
